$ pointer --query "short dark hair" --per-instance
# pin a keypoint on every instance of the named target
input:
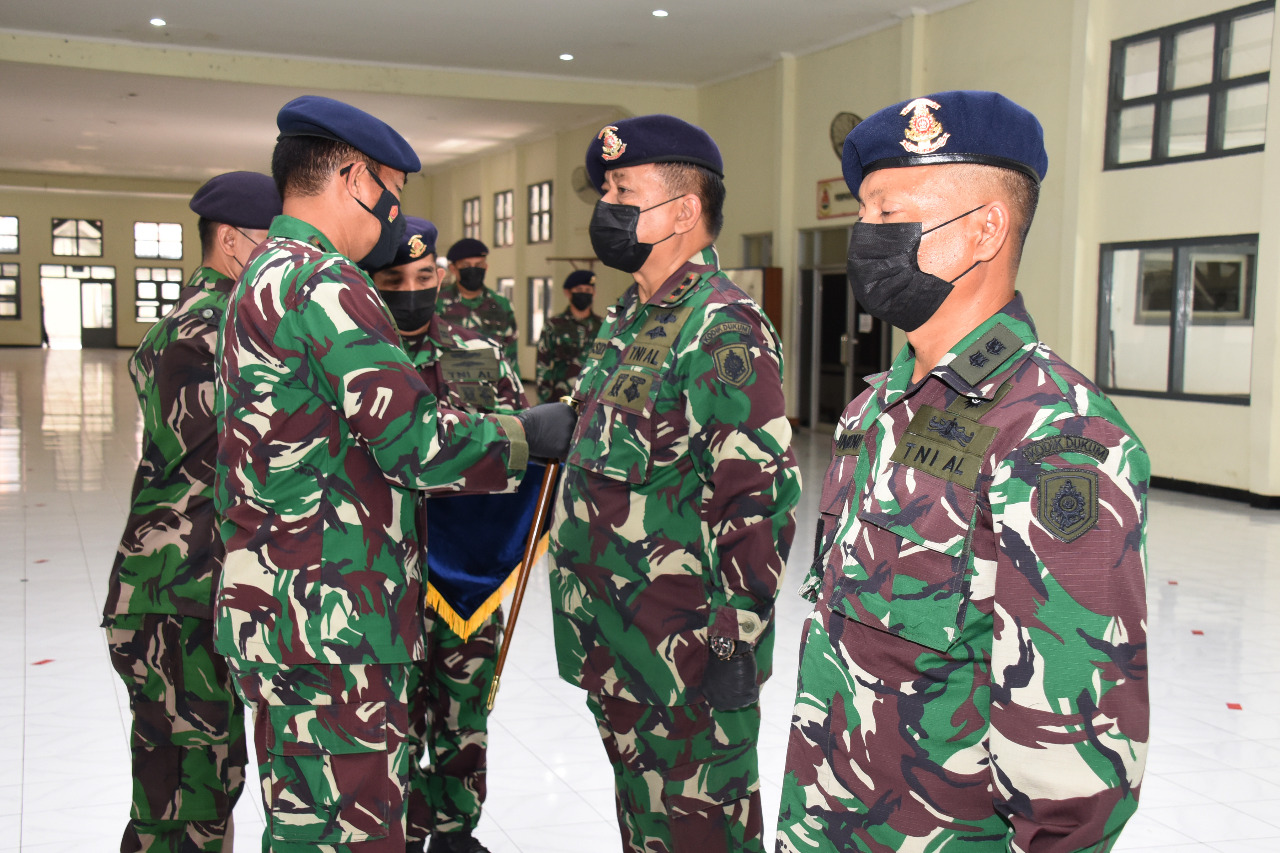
(1021, 191)
(683, 178)
(302, 165)
(208, 231)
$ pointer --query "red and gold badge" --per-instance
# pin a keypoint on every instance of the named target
(924, 132)
(613, 146)
(417, 248)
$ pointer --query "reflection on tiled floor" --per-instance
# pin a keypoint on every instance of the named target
(68, 445)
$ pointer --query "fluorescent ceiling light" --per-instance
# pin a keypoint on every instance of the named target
(566, 56)
(158, 22)
(659, 13)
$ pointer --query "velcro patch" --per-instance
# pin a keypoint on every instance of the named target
(849, 442)
(1056, 445)
(733, 364)
(721, 329)
(1068, 505)
(628, 390)
(469, 365)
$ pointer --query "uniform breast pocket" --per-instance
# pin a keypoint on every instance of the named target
(615, 431)
(912, 554)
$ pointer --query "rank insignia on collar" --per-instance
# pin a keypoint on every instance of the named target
(924, 132)
(417, 248)
(613, 145)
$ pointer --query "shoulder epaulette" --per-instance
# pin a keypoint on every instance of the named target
(986, 355)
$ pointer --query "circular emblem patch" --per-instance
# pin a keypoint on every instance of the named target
(924, 132)
(613, 145)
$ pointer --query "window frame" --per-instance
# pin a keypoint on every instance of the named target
(540, 218)
(17, 235)
(471, 218)
(1217, 89)
(159, 257)
(504, 218)
(162, 304)
(54, 222)
(16, 298)
(541, 288)
(1180, 313)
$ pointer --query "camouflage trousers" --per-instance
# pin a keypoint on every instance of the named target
(449, 727)
(686, 777)
(187, 740)
(332, 754)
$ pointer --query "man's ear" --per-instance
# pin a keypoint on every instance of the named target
(688, 213)
(226, 238)
(995, 232)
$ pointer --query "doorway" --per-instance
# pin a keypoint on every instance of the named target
(77, 306)
(840, 344)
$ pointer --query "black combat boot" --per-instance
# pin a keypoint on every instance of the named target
(455, 842)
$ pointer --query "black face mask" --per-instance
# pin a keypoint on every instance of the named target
(471, 279)
(613, 235)
(391, 223)
(884, 273)
(412, 309)
(581, 301)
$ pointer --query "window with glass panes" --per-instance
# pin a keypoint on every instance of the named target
(539, 305)
(471, 218)
(162, 240)
(540, 212)
(155, 292)
(504, 218)
(81, 238)
(8, 235)
(10, 291)
(1175, 318)
(1191, 91)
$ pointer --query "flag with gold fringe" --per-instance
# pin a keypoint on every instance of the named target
(474, 547)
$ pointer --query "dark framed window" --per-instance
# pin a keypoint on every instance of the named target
(539, 305)
(506, 286)
(162, 240)
(78, 238)
(1191, 91)
(1175, 318)
(540, 212)
(504, 218)
(10, 292)
(8, 235)
(155, 292)
(471, 218)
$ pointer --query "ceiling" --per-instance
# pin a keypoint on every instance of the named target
(96, 122)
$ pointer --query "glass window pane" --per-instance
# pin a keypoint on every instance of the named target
(1136, 126)
(170, 250)
(174, 275)
(64, 228)
(1221, 286)
(65, 246)
(145, 230)
(8, 309)
(8, 243)
(1188, 125)
(1246, 118)
(146, 249)
(1141, 308)
(170, 231)
(9, 225)
(146, 290)
(146, 313)
(103, 273)
(85, 228)
(1141, 69)
(1217, 359)
(8, 287)
(141, 273)
(1249, 51)
(52, 271)
(169, 290)
(1193, 57)
(90, 248)
(8, 269)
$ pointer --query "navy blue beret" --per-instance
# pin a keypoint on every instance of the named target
(467, 247)
(419, 241)
(950, 127)
(650, 139)
(578, 277)
(312, 115)
(242, 199)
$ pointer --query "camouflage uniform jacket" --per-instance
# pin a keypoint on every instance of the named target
(489, 314)
(326, 432)
(170, 554)
(562, 346)
(675, 512)
(983, 554)
(465, 369)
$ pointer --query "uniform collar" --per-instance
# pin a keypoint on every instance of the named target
(976, 366)
(290, 228)
(677, 287)
(210, 279)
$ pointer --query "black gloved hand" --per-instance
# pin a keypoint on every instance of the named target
(730, 684)
(547, 429)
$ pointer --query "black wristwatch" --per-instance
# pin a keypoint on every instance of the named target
(726, 649)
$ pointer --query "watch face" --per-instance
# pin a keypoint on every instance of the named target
(722, 647)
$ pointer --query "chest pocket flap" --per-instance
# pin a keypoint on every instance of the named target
(614, 435)
(907, 567)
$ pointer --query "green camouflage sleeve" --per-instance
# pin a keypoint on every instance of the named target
(740, 445)
(1069, 703)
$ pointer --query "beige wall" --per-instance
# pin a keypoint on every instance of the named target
(772, 126)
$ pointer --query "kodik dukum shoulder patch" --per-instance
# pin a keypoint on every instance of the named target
(1068, 506)
(733, 364)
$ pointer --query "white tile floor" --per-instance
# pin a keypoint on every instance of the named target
(68, 445)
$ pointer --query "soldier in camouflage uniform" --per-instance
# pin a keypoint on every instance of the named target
(973, 675)
(187, 740)
(566, 337)
(468, 303)
(675, 515)
(449, 689)
(326, 432)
